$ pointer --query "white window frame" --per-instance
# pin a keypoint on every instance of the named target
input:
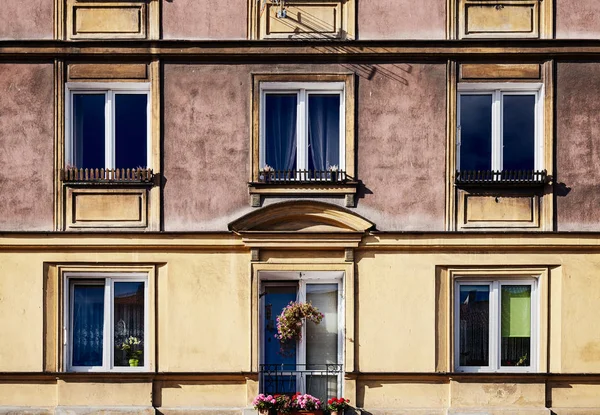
(109, 89)
(270, 278)
(83, 278)
(495, 334)
(302, 91)
(498, 91)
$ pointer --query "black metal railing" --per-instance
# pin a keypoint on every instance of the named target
(502, 177)
(320, 380)
(302, 176)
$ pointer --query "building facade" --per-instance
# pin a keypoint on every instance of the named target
(174, 173)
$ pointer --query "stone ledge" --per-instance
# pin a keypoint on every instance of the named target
(104, 410)
(24, 410)
(499, 411)
(202, 411)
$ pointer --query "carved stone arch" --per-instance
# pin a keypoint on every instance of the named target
(301, 216)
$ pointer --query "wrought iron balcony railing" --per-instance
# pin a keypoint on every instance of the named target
(501, 177)
(302, 176)
(320, 380)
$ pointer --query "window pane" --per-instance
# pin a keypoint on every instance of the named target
(279, 361)
(475, 132)
(88, 325)
(280, 131)
(131, 130)
(516, 325)
(88, 130)
(474, 325)
(323, 131)
(322, 340)
(129, 323)
(518, 132)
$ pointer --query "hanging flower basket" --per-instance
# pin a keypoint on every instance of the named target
(289, 322)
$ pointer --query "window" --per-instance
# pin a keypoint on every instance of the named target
(500, 130)
(496, 325)
(108, 125)
(104, 313)
(302, 129)
(313, 365)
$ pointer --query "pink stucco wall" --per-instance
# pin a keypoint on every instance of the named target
(26, 154)
(26, 19)
(204, 19)
(578, 147)
(401, 19)
(401, 146)
(400, 143)
(577, 19)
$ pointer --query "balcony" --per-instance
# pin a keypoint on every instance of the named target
(501, 178)
(302, 176)
(323, 381)
(74, 175)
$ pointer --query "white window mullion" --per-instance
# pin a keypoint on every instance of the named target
(495, 316)
(539, 132)
(301, 131)
(109, 131)
(301, 349)
(342, 165)
(497, 152)
(107, 335)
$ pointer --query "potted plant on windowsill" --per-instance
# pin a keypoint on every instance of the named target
(264, 403)
(334, 172)
(337, 406)
(131, 346)
(267, 173)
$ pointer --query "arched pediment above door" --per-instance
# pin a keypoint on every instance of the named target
(301, 216)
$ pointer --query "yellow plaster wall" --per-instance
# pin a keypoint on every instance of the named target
(206, 309)
(391, 394)
(396, 312)
(28, 394)
(580, 322)
(109, 393)
(21, 302)
(203, 394)
(204, 325)
(575, 395)
(498, 394)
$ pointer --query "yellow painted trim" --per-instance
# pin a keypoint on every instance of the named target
(276, 216)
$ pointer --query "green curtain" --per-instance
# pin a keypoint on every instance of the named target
(516, 311)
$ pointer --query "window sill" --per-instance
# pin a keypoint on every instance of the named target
(316, 187)
(501, 179)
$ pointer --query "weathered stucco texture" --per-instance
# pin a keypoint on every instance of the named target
(578, 147)
(401, 146)
(578, 19)
(400, 143)
(26, 153)
(401, 19)
(26, 19)
(204, 19)
(206, 144)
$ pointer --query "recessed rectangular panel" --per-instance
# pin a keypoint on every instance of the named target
(499, 71)
(498, 210)
(501, 19)
(122, 71)
(109, 21)
(308, 18)
(106, 208)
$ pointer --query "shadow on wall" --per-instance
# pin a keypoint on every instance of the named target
(313, 28)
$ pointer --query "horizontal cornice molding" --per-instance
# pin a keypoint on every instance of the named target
(310, 50)
(543, 242)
